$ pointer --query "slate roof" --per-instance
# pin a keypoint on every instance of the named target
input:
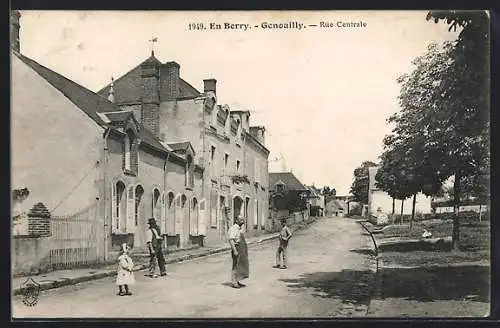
(128, 87)
(88, 101)
(179, 145)
(83, 98)
(291, 182)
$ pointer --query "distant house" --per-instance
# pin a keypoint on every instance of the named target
(288, 198)
(380, 203)
(336, 206)
(316, 202)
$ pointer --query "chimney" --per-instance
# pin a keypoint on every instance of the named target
(14, 30)
(169, 81)
(150, 107)
(210, 85)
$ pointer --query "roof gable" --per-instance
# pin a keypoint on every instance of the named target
(83, 98)
(128, 87)
(288, 178)
(182, 147)
(96, 107)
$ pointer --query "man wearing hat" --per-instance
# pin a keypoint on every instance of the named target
(154, 241)
(239, 253)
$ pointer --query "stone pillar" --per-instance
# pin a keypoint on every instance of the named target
(39, 221)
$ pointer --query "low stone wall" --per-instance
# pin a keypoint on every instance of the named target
(30, 255)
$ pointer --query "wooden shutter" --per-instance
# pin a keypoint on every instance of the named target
(255, 212)
(213, 209)
(194, 218)
(130, 226)
(114, 218)
(202, 218)
(163, 220)
(257, 170)
(178, 215)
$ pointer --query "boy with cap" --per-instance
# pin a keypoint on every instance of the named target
(285, 235)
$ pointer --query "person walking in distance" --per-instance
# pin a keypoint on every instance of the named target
(285, 235)
(239, 253)
(155, 241)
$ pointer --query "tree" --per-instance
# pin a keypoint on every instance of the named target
(444, 102)
(467, 99)
(360, 185)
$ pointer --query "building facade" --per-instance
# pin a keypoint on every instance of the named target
(99, 170)
(231, 153)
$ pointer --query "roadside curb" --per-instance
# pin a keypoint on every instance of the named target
(109, 273)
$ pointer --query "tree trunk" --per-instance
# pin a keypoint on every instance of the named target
(402, 203)
(456, 209)
(393, 204)
(480, 212)
(413, 210)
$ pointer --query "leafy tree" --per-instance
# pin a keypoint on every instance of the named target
(360, 185)
(444, 103)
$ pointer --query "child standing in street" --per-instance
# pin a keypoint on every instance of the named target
(125, 274)
(285, 235)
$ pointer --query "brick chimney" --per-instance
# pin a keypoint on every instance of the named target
(169, 81)
(210, 85)
(150, 107)
(14, 30)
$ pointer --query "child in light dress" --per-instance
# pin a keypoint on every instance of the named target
(125, 274)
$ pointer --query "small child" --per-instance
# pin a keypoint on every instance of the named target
(125, 274)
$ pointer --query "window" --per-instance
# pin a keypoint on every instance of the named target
(212, 153)
(130, 156)
(156, 198)
(120, 190)
(139, 191)
(237, 166)
(226, 160)
(280, 187)
(189, 172)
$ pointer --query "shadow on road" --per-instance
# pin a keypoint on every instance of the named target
(350, 286)
(436, 283)
(364, 251)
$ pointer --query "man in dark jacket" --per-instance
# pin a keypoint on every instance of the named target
(154, 242)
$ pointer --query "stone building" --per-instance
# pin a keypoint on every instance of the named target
(99, 169)
(231, 153)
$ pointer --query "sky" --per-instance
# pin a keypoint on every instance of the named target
(323, 93)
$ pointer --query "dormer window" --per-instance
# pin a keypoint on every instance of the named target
(280, 187)
(189, 172)
(130, 159)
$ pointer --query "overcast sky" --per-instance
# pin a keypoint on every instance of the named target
(322, 93)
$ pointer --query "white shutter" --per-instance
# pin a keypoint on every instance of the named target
(202, 218)
(163, 221)
(114, 218)
(193, 217)
(178, 215)
(255, 211)
(257, 171)
(171, 218)
(130, 226)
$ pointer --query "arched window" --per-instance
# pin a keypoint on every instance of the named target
(120, 191)
(170, 218)
(156, 202)
(139, 191)
(194, 218)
